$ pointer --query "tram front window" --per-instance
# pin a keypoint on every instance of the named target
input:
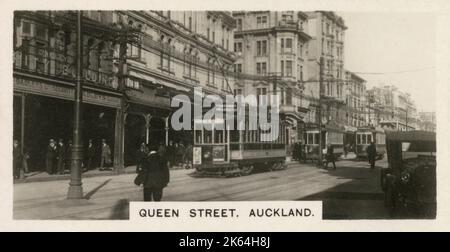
(207, 136)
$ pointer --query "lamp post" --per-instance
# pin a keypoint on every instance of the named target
(75, 186)
(320, 110)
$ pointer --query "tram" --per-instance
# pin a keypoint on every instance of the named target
(331, 136)
(364, 136)
(235, 152)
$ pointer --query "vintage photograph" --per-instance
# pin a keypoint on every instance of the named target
(115, 106)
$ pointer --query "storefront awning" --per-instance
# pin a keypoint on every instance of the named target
(157, 81)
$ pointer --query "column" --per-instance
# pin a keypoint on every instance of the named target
(119, 140)
(147, 118)
(166, 121)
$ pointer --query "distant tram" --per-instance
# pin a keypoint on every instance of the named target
(235, 152)
(331, 136)
(364, 136)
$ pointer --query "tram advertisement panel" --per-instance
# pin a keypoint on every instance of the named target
(197, 155)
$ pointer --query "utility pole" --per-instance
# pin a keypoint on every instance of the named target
(75, 185)
(320, 110)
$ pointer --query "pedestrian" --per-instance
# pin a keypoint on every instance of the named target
(188, 157)
(156, 174)
(141, 155)
(330, 156)
(346, 146)
(295, 152)
(50, 157)
(61, 154)
(90, 154)
(105, 158)
(17, 159)
(170, 152)
(372, 154)
(180, 153)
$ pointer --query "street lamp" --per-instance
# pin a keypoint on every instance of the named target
(75, 186)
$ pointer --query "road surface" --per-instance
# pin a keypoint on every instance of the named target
(350, 192)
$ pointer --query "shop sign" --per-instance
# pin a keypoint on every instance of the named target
(47, 89)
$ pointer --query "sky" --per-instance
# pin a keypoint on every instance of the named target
(394, 42)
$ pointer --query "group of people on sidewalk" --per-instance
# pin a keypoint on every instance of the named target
(58, 157)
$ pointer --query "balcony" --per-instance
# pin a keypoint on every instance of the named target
(56, 64)
(289, 24)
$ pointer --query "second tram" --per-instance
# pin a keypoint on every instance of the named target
(364, 136)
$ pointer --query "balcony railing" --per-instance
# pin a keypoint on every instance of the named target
(57, 64)
(289, 24)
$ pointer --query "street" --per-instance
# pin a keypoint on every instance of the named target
(351, 192)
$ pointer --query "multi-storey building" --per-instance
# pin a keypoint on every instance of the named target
(391, 108)
(355, 89)
(133, 63)
(426, 121)
(179, 50)
(325, 54)
(271, 52)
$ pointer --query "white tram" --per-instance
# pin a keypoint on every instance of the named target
(235, 152)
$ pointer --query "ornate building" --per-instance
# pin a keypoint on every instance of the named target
(271, 58)
(134, 62)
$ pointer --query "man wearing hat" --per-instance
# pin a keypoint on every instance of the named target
(50, 157)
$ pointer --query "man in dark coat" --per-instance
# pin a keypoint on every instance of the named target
(141, 155)
(330, 156)
(90, 155)
(157, 175)
(17, 159)
(50, 157)
(372, 154)
(61, 156)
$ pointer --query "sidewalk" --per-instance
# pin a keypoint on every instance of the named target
(41, 176)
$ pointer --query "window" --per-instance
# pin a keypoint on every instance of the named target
(288, 45)
(190, 23)
(261, 68)
(133, 83)
(41, 32)
(207, 33)
(26, 28)
(228, 45)
(239, 24)
(289, 96)
(301, 73)
(237, 91)
(261, 21)
(261, 48)
(238, 68)
(133, 51)
(282, 68)
(288, 67)
(301, 50)
(238, 47)
(214, 37)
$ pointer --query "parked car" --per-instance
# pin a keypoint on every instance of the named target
(409, 183)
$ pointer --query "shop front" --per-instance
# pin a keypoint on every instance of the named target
(43, 110)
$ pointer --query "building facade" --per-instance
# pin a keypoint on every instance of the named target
(391, 108)
(271, 58)
(134, 63)
(426, 121)
(325, 54)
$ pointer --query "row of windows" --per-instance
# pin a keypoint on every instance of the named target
(286, 69)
